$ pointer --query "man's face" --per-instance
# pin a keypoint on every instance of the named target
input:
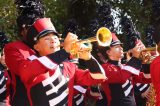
(116, 52)
(47, 44)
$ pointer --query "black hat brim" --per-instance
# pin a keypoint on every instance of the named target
(116, 43)
(45, 32)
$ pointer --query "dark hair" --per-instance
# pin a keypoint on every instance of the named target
(100, 49)
(103, 51)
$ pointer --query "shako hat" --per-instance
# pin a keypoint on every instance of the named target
(40, 28)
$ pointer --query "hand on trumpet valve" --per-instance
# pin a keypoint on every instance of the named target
(80, 50)
(145, 56)
(85, 52)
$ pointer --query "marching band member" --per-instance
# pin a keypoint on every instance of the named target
(141, 91)
(119, 86)
(144, 93)
(40, 77)
(45, 77)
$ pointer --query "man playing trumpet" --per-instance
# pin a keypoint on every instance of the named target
(45, 75)
(121, 77)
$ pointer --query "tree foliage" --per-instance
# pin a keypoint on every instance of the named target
(57, 10)
(8, 18)
(83, 11)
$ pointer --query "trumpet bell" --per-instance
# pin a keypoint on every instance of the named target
(104, 36)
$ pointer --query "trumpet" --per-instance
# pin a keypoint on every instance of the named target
(150, 49)
(103, 37)
(147, 55)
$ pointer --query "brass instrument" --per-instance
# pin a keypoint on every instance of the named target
(103, 37)
(150, 49)
(152, 101)
(146, 49)
(147, 56)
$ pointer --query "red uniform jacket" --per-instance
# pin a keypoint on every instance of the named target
(39, 73)
(155, 75)
(119, 86)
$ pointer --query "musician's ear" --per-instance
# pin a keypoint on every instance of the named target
(36, 47)
(108, 52)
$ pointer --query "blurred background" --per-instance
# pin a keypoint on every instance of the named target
(140, 13)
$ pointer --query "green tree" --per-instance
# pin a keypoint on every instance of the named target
(57, 10)
(8, 18)
(83, 10)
